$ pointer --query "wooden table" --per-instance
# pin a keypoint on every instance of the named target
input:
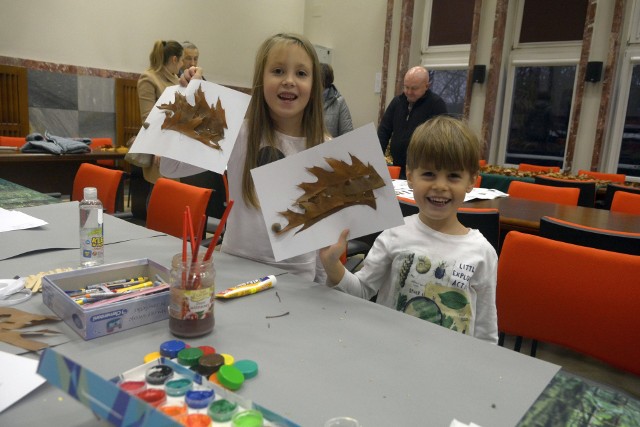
(524, 215)
(48, 173)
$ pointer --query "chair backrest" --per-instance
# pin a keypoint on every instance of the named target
(96, 144)
(394, 171)
(577, 234)
(537, 168)
(482, 162)
(578, 297)
(544, 193)
(612, 189)
(169, 199)
(12, 141)
(478, 182)
(626, 202)
(107, 181)
(587, 189)
(487, 221)
(613, 177)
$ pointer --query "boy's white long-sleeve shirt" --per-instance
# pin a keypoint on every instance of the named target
(447, 279)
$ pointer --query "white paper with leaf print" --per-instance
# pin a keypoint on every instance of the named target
(177, 146)
(277, 189)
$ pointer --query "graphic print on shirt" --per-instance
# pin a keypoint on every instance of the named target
(435, 290)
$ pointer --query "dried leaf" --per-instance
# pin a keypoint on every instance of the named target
(199, 121)
(342, 186)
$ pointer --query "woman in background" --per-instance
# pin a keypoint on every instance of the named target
(337, 118)
(165, 62)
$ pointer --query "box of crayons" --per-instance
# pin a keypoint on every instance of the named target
(162, 392)
(109, 298)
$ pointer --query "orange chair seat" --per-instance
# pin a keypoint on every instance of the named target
(106, 180)
(544, 193)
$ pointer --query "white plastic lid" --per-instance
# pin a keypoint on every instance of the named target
(90, 193)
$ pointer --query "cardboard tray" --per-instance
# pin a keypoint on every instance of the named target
(119, 408)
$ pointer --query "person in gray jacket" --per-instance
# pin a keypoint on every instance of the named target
(337, 118)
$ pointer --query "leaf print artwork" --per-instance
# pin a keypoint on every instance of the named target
(454, 300)
(425, 309)
(340, 187)
(199, 121)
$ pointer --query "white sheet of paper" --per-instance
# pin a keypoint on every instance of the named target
(14, 220)
(277, 189)
(18, 378)
(172, 144)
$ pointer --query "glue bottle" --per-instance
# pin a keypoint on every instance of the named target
(91, 230)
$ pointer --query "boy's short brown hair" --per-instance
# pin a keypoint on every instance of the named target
(444, 142)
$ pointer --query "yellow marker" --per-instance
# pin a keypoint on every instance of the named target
(134, 287)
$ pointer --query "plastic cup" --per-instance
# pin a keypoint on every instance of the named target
(342, 422)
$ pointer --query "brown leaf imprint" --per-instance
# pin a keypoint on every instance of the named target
(346, 185)
(200, 121)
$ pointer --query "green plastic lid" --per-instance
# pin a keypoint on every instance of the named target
(247, 419)
(230, 377)
(222, 410)
(249, 368)
(189, 356)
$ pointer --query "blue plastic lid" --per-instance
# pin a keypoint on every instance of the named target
(248, 367)
(171, 348)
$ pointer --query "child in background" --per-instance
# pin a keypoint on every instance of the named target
(432, 267)
(284, 117)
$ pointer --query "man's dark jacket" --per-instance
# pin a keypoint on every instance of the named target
(398, 123)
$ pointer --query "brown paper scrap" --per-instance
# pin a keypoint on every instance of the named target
(19, 339)
(34, 281)
(12, 318)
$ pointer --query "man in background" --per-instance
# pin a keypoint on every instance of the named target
(190, 56)
(406, 112)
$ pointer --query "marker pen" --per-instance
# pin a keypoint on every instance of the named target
(134, 287)
(248, 288)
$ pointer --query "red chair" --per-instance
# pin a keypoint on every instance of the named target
(587, 189)
(96, 144)
(487, 221)
(107, 181)
(626, 202)
(613, 177)
(577, 234)
(168, 202)
(537, 168)
(12, 141)
(544, 193)
(611, 191)
(394, 171)
(577, 297)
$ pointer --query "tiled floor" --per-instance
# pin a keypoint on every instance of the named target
(584, 366)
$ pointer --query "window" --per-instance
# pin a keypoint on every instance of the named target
(540, 108)
(451, 85)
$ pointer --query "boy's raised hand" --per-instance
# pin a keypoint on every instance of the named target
(330, 257)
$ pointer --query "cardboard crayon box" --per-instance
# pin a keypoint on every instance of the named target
(92, 322)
